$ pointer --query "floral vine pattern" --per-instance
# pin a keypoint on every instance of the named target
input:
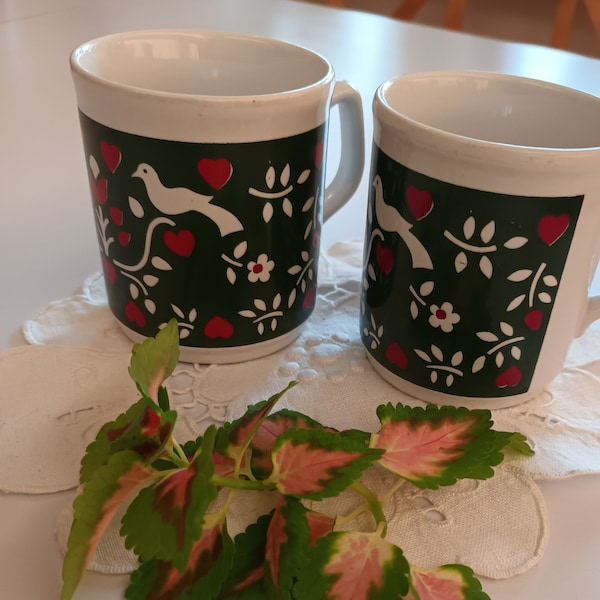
(163, 233)
(456, 294)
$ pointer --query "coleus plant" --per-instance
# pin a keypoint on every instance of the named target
(178, 496)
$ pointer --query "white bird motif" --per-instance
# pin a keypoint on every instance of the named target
(391, 220)
(179, 200)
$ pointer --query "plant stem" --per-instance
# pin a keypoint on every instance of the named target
(374, 505)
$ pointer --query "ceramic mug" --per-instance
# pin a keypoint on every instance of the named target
(482, 234)
(206, 159)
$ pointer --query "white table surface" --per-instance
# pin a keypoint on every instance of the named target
(48, 244)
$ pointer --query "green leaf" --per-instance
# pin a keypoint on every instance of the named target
(165, 519)
(314, 464)
(518, 443)
(154, 359)
(288, 539)
(108, 488)
(350, 564)
(247, 571)
(449, 582)
(204, 574)
(437, 445)
(141, 429)
(235, 437)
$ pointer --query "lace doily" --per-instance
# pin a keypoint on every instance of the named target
(498, 527)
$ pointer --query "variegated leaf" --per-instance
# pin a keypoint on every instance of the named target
(437, 445)
(314, 464)
(356, 565)
(449, 582)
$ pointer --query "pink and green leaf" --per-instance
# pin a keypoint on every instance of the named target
(165, 519)
(287, 543)
(350, 564)
(435, 445)
(319, 525)
(154, 359)
(141, 429)
(110, 486)
(449, 582)
(234, 438)
(203, 575)
(272, 427)
(314, 464)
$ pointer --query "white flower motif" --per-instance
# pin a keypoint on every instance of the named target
(443, 317)
(260, 270)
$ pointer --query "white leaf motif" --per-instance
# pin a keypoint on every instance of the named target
(285, 175)
(308, 230)
(184, 333)
(247, 313)
(133, 291)
(231, 275)
(305, 256)
(520, 275)
(449, 379)
(414, 310)
(270, 177)
(276, 301)
(550, 280)
(506, 328)
(150, 280)
(267, 212)
(288, 209)
(515, 242)
(499, 359)
(461, 262)
(434, 376)
(371, 271)
(426, 288)
(487, 336)
(178, 311)
(478, 364)
(193, 315)
(135, 207)
(456, 359)
(292, 298)
(160, 263)
(487, 233)
(260, 328)
(515, 303)
(304, 176)
(308, 204)
(437, 352)
(273, 324)
(485, 264)
(545, 297)
(469, 228)
(515, 352)
(295, 270)
(150, 306)
(240, 249)
(422, 355)
(94, 168)
(260, 304)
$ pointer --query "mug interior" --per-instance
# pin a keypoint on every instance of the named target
(200, 63)
(497, 108)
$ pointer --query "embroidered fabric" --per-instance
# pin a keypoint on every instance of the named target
(78, 357)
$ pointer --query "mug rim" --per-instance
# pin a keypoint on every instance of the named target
(179, 33)
(382, 104)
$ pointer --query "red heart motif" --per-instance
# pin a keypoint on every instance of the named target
(109, 270)
(550, 228)
(111, 155)
(116, 215)
(319, 153)
(134, 314)
(215, 172)
(533, 319)
(385, 258)
(218, 327)
(99, 189)
(511, 377)
(396, 355)
(181, 243)
(419, 202)
(309, 298)
(124, 238)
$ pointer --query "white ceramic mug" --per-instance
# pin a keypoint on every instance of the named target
(206, 159)
(482, 234)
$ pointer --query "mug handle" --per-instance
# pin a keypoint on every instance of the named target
(352, 158)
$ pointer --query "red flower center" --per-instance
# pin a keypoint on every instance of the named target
(440, 314)
(257, 268)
